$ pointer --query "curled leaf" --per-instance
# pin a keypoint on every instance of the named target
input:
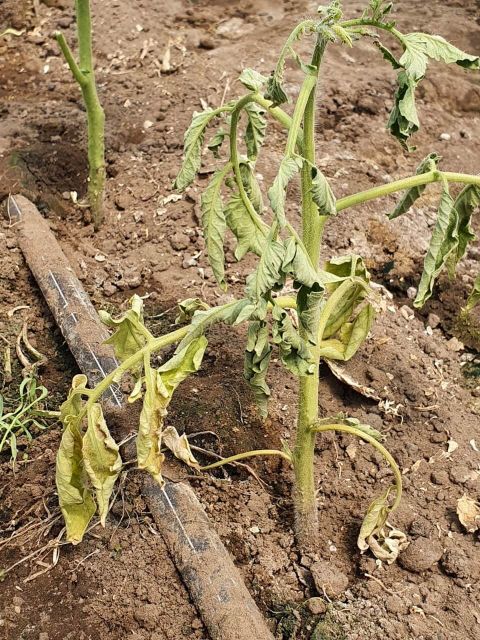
(278, 191)
(214, 224)
(257, 357)
(193, 141)
(239, 221)
(252, 80)
(430, 163)
(179, 446)
(101, 459)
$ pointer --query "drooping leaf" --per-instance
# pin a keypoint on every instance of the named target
(443, 243)
(278, 191)
(160, 385)
(235, 313)
(375, 518)
(216, 142)
(251, 185)
(388, 55)
(239, 221)
(275, 91)
(421, 46)
(188, 307)
(430, 163)
(131, 334)
(101, 458)
(474, 296)
(351, 336)
(466, 203)
(294, 350)
(297, 264)
(179, 446)
(75, 499)
(255, 131)
(257, 357)
(403, 121)
(192, 153)
(268, 274)
(252, 80)
(365, 428)
(322, 194)
(70, 409)
(309, 301)
(214, 224)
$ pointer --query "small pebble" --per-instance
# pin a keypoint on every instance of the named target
(445, 136)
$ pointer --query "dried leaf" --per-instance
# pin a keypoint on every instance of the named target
(375, 519)
(468, 511)
(179, 446)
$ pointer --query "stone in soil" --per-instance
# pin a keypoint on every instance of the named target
(421, 555)
(329, 579)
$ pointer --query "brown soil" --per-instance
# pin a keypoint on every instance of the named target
(121, 582)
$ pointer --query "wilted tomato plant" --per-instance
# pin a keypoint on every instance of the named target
(331, 311)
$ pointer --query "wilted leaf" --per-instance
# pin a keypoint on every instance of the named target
(252, 80)
(403, 121)
(408, 198)
(387, 544)
(351, 336)
(193, 141)
(474, 296)
(468, 511)
(388, 55)
(74, 497)
(251, 185)
(340, 373)
(257, 358)
(72, 406)
(214, 224)
(443, 242)
(322, 194)
(294, 350)
(466, 203)
(217, 141)
(188, 307)
(255, 130)
(179, 446)
(249, 237)
(101, 459)
(267, 275)
(375, 518)
(297, 264)
(131, 334)
(278, 191)
(419, 46)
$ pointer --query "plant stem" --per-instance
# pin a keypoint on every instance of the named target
(84, 74)
(247, 454)
(405, 183)
(306, 517)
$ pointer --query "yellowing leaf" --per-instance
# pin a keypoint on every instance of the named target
(468, 511)
(73, 404)
(101, 458)
(75, 499)
(374, 520)
(179, 446)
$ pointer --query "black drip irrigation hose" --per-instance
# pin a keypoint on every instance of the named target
(214, 583)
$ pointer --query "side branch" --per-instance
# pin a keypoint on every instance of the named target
(406, 183)
(68, 55)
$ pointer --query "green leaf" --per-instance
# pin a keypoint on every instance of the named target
(403, 121)
(443, 243)
(255, 131)
(75, 499)
(474, 296)
(193, 141)
(294, 350)
(131, 334)
(309, 306)
(297, 264)
(275, 91)
(267, 275)
(365, 428)
(160, 386)
(101, 459)
(243, 227)
(277, 192)
(322, 194)
(430, 163)
(257, 358)
(214, 224)
(252, 80)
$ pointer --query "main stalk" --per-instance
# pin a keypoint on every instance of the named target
(306, 516)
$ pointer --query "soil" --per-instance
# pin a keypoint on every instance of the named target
(120, 582)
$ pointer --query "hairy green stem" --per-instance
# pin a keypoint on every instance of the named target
(377, 445)
(84, 74)
(247, 454)
(306, 517)
(403, 184)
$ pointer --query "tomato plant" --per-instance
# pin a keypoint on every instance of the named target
(331, 310)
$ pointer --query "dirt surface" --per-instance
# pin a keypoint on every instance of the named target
(120, 582)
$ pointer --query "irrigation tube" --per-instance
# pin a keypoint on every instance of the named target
(214, 583)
